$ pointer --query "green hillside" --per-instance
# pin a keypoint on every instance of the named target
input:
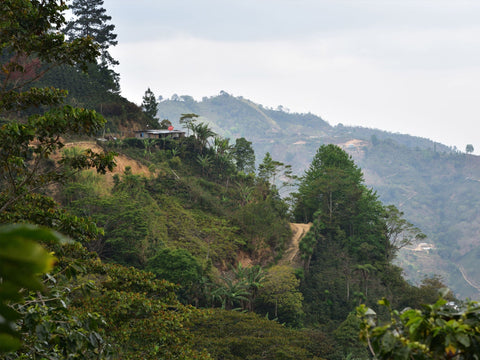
(116, 247)
(435, 186)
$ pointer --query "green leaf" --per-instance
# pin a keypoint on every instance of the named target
(9, 343)
(22, 260)
(388, 342)
(403, 353)
(463, 339)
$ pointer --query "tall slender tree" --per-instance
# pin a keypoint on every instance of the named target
(202, 133)
(400, 232)
(271, 170)
(150, 104)
(188, 120)
(244, 155)
(91, 21)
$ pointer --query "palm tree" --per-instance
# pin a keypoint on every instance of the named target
(252, 279)
(202, 133)
(255, 277)
(246, 193)
(148, 144)
(205, 162)
(223, 156)
(222, 146)
(231, 293)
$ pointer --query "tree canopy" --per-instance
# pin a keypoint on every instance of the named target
(442, 330)
(34, 124)
(244, 155)
(350, 222)
(150, 104)
(31, 43)
(26, 145)
(332, 183)
(91, 21)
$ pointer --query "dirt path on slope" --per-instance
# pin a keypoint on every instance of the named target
(462, 271)
(291, 254)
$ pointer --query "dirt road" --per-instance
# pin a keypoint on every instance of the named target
(471, 283)
(291, 254)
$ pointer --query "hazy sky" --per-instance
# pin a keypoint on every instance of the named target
(409, 66)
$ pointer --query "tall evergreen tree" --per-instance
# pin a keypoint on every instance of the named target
(150, 104)
(333, 196)
(270, 170)
(331, 180)
(348, 236)
(91, 21)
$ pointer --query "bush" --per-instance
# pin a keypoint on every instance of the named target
(134, 142)
(177, 266)
(232, 335)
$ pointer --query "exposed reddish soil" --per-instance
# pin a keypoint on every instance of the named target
(122, 161)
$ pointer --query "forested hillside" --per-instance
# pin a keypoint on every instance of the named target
(116, 247)
(437, 187)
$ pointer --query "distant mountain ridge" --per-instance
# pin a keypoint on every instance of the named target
(436, 186)
(268, 129)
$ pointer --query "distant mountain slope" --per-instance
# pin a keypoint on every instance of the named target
(291, 137)
(437, 187)
(236, 117)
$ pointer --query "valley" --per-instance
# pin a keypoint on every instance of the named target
(215, 229)
(434, 185)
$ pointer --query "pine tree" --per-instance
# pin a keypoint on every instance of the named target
(331, 181)
(91, 21)
(150, 104)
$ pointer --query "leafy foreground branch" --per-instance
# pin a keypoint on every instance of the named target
(84, 309)
(439, 331)
(34, 121)
(26, 149)
(21, 260)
